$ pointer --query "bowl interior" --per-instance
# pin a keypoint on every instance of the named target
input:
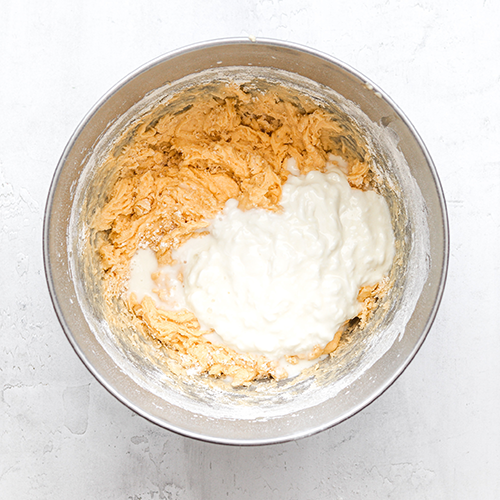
(265, 412)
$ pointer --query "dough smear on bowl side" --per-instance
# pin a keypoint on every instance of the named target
(176, 175)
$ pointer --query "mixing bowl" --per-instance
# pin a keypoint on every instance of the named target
(268, 411)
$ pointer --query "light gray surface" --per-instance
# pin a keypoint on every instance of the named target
(434, 434)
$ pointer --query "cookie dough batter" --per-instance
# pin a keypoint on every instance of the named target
(176, 173)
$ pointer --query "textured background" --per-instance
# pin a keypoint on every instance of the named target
(434, 434)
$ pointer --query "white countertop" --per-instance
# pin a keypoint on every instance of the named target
(434, 434)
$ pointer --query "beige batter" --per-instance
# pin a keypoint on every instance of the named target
(176, 174)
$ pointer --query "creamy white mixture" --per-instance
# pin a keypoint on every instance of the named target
(280, 283)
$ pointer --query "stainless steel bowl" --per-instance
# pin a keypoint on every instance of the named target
(264, 416)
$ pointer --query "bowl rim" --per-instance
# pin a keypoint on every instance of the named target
(48, 216)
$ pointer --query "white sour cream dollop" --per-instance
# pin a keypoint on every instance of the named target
(281, 283)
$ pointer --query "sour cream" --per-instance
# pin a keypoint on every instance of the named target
(282, 283)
